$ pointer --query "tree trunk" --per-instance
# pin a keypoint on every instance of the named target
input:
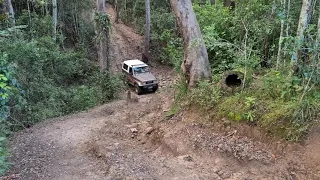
(55, 18)
(11, 12)
(318, 25)
(116, 6)
(147, 33)
(196, 65)
(303, 24)
(29, 12)
(266, 41)
(102, 34)
(283, 2)
(2, 11)
(47, 8)
(288, 17)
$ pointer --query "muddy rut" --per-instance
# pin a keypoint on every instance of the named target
(132, 138)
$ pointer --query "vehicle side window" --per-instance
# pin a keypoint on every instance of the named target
(125, 67)
(130, 70)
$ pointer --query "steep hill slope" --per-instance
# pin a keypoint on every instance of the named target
(132, 138)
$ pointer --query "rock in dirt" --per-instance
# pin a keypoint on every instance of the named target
(188, 158)
(134, 130)
(224, 174)
(149, 130)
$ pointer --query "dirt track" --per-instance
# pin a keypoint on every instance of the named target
(135, 140)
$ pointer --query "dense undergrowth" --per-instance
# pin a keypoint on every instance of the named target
(288, 112)
(42, 77)
(283, 101)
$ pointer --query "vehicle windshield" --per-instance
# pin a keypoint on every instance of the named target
(139, 70)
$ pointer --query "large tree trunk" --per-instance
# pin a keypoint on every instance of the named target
(147, 33)
(11, 12)
(55, 18)
(196, 65)
(303, 24)
(103, 38)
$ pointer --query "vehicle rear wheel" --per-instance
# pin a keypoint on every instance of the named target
(138, 89)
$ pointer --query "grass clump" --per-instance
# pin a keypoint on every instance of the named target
(205, 95)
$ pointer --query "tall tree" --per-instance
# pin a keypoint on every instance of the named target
(288, 17)
(283, 3)
(102, 35)
(304, 18)
(55, 18)
(11, 12)
(2, 11)
(147, 33)
(318, 25)
(116, 6)
(196, 65)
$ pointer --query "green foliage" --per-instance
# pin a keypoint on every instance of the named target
(172, 52)
(286, 111)
(104, 21)
(37, 25)
(76, 25)
(55, 82)
(246, 39)
(235, 108)
(3, 155)
(224, 33)
(180, 96)
(164, 38)
(205, 95)
(182, 90)
(7, 85)
(55, 77)
(277, 84)
(107, 86)
(166, 45)
(275, 103)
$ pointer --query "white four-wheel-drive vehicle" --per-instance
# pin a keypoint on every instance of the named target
(137, 74)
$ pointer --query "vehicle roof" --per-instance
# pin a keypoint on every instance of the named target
(135, 62)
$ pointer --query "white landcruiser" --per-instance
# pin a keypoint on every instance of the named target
(137, 74)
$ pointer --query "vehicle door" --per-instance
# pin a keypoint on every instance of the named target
(130, 76)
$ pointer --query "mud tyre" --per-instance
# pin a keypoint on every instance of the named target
(155, 88)
(138, 89)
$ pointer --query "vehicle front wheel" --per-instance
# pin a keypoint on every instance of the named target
(138, 89)
(155, 88)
